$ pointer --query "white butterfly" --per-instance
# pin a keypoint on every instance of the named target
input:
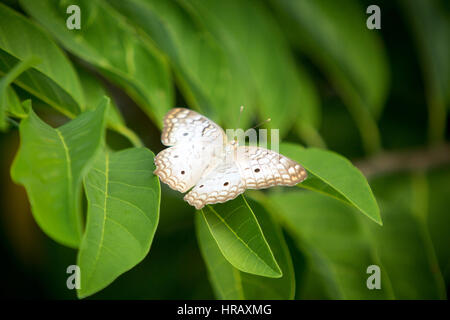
(200, 156)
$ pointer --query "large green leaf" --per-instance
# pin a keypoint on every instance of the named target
(335, 36)
(51, 163)
(336, 244)
(53, 80)
(239, 237)
(403, 244)
(284, 91)
(106, 41)
(210, 79)
(230, 283)
(333, 175)
(123, 212)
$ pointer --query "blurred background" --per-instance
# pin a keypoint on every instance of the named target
(378, 97)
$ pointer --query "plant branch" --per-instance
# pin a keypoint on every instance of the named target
(408, 160)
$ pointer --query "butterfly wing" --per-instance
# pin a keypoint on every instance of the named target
(261, 168)
(220, 185)
(196, 144)
(249, 168)
(186, 126)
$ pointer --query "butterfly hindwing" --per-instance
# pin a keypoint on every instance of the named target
(250, 168)
(223, 183)
(261, 168)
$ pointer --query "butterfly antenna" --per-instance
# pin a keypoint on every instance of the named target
(240, 114)
(239, 120)
(260, 124)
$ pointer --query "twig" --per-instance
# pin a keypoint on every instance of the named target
(408, 160)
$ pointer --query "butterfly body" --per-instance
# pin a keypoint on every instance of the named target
(200, 157)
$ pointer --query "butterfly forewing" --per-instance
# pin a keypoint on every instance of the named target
(261, 168)
(196, 145)
(186, 126)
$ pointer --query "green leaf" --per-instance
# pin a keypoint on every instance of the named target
(335, 36)
(9, 101)
(404, 244)
(51, 163)
(283, 90)
(94, 93)
(230, 283)
(13, 105)
(240, 238)
(438, 219)
(335, 242)
(335, 176)
(430, 27)
(208, 77)
(109, 43)
(53, 80)
(123, 212)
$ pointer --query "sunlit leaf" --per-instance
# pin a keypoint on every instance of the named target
(229, 282)
(51, 163)
(333, 175)
(239, 237)
(123, 211)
